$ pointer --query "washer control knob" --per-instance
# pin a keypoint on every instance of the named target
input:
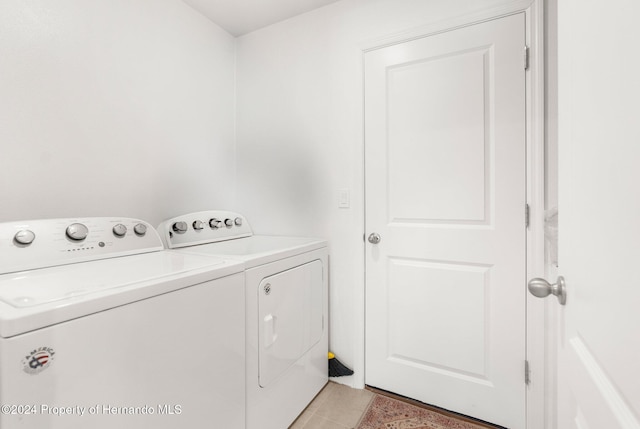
(25, 237)
(180, 227)
(238, 221)
(140, 229)
(77, 232)
(228, 222)
(215, 223)
(119, 230)
(198, 224)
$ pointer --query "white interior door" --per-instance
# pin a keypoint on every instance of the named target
(599, 214)
(445, 191)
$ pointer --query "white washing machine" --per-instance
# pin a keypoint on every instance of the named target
(100, 327)
(286, 309)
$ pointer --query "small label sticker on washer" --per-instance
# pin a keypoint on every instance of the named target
(38, 360)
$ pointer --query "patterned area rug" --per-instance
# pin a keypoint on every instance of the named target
(387, 413)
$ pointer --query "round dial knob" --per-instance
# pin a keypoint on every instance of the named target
(238, 221)
(119, 230)
(140, 229)
(77, 231)
(198, 224)
(180, 227)
(24, 237)
(228, 222)
(214, 223)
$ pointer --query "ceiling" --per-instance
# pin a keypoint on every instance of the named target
(240, 17)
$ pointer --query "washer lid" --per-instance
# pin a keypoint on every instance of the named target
(37, 298)
(258, 249)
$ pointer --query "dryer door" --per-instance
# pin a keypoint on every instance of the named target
(290, 315)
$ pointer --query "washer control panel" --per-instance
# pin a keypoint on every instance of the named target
(203, 227)
(27, 245)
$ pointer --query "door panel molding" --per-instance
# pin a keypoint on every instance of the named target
(464, 20)
(428, 165)
(605, 391)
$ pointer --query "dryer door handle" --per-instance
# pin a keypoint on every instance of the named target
(270, 335)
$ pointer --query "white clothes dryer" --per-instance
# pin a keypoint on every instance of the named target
(100, 327)
(286, 282)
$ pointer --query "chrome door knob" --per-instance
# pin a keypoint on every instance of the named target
(374, 238)
(541, 288)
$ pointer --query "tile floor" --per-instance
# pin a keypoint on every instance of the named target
(340, 407)
(335, 407)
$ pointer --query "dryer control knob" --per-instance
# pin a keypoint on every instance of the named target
(140, 229)
(25, 237)
(77, 231)
(198, 224)
(180, 227)
(119, 230)
(228, 222)
(215, 223)
(238, 221)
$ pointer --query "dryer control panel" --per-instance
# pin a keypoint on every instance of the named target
(203, 227)
(33, 244)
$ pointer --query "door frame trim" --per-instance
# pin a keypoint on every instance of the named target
(539, 391)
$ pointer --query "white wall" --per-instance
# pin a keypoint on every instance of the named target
(300, 139)
(114, 107)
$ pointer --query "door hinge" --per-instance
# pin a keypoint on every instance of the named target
(526, 215)
(527, 373)
(526, 58)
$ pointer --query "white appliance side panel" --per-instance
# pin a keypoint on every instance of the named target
(174, 360)
(290, 315)
(278, 404)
